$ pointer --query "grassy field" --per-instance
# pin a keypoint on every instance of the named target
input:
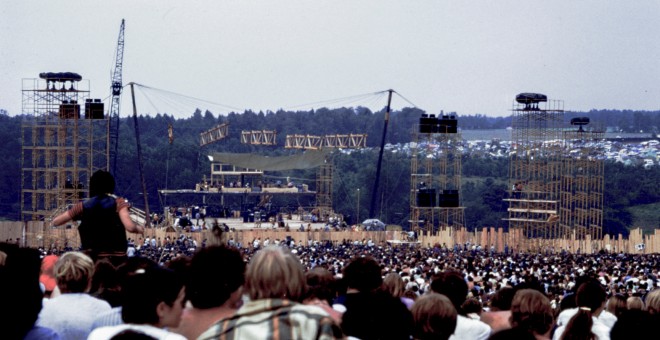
(646, 216)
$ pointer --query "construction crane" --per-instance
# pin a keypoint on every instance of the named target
(116, 87)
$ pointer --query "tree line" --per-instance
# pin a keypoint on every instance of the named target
(183, 163)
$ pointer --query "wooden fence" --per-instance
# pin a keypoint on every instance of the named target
(36, 234)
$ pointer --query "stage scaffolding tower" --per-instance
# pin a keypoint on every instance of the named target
(555, 175)
(324, 190)
(582, 183)
(535, 172)
(436, 174)
(64, 140)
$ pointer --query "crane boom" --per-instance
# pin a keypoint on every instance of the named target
(116, 87)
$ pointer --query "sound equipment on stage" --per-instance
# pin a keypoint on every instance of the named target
(426, 198)
(449, 199)
(93, 109)
(447, 124)
(69, 109)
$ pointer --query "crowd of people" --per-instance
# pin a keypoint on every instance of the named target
(111, 288)
(328, 290)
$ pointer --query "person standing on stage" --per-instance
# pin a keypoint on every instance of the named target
(104, 220)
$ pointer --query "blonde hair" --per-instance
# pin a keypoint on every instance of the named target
(434, 316)
(393, 283)
(73, 272)
(275, 273)
(635, 302)
(653, 301)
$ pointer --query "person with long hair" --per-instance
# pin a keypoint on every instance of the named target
(104, 220)
(583, 322)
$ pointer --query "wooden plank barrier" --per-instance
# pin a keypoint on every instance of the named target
(35, 234)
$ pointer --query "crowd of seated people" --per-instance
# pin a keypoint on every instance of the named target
(328, 290)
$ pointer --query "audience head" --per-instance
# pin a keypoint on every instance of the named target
(617, 305)
(73, 272)
(393, 283)
(19, 286)
(531, 311)
(275, 273)
(363, 274)
(434, 317)
(653, 301)
(153, 296)
(451, 284)
(101, 182)
(105, 283)
(590, 295)
(502, 299)
(320, 285)
(215, 273)
(472, 306)
(590, 298)
(635, 302)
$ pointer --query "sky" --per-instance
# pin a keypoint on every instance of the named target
(468, 57)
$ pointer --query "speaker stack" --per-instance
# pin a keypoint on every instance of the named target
(449, 199)
(69, 109)
(426, 198)
(93, 109)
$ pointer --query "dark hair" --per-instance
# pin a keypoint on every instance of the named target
(589, 297)
(502, 299)
(579, 327)
(105, 283)
(214, 273)
(472, 305)
(320, 285)
(131, 334)
(19, 286)
(145, 290)
(363, 274)
(451, 284)
(102, 182)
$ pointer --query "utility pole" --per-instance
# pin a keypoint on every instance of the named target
(374, 193)
(147, 216)
(357, 212)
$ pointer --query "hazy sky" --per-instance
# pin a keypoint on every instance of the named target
(464, 56)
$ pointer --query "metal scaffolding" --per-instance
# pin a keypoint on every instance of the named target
(535, 171)
(435, 178)
(555, 180)
(582, 184)
(64, 141)
(324, 190)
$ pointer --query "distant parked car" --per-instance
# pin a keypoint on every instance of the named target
(372, 224)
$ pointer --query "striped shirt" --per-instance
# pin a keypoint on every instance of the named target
(275, 319)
